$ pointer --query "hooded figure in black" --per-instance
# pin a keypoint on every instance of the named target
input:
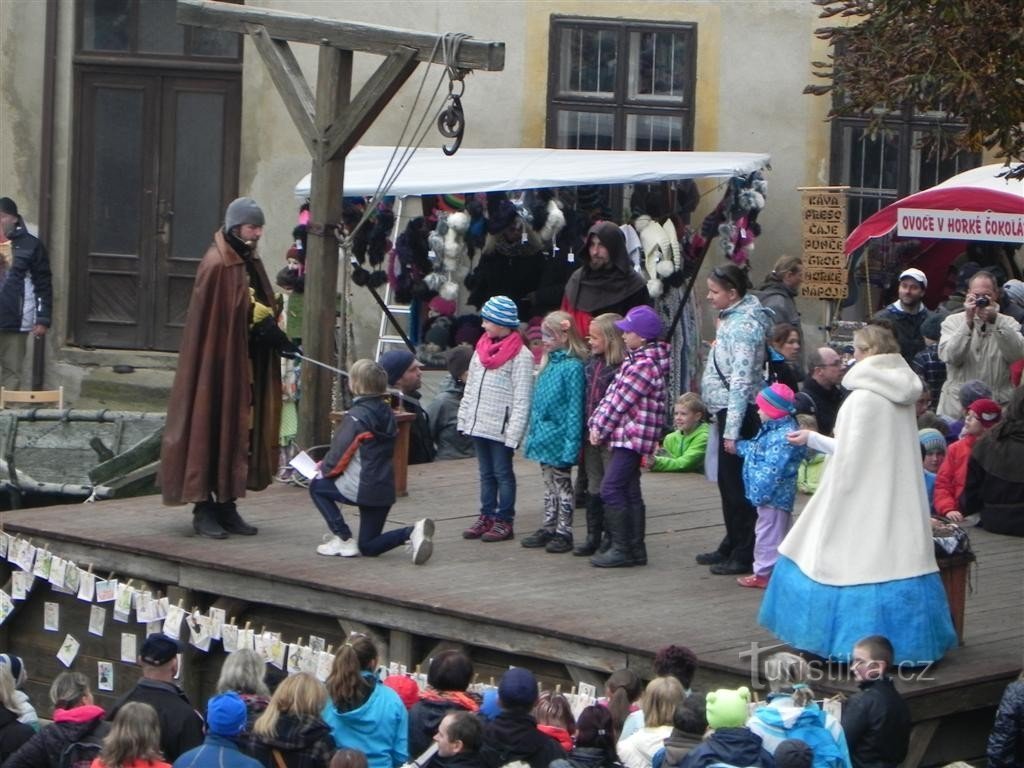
(607, 281)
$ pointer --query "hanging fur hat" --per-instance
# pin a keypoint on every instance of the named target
(455, 249)
(550, 224)
(379, 244)
(449, 291)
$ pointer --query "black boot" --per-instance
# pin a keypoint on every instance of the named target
(204, 521)
(616, 520)
(637, 531)
(595, 526)
(232, 522)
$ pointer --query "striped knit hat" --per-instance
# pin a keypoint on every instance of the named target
(501, 310)
(931, 440)
(776, 401)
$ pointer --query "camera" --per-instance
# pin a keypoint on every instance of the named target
(982, 301)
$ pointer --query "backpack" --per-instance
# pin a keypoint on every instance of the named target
(79, 754)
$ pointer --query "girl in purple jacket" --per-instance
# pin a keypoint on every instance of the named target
(630, 419)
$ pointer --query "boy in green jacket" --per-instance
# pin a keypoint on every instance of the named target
(683, 450)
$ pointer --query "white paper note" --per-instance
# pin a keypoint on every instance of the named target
(129, 645)
(97, 620)
(305, 464)
(68, 650)
(51, 617)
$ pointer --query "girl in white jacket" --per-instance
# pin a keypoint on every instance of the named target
(495, 410)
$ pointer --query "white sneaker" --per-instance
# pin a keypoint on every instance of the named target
(335, 545)
(422, 546)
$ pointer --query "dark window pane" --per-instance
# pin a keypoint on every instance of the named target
(657, 66)
(106, 25)
(213, 42)
(585, 130)
(117, 171)
(198, 153)
(872, 162)
(859, 208)
(159, 31)
(655, 133)
(587, 61)
(932, 161)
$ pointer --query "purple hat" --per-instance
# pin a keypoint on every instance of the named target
(643, 321)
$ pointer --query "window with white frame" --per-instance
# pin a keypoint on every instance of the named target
(619, 84)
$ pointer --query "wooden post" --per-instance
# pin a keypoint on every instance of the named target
(334, 83)
(330, 125)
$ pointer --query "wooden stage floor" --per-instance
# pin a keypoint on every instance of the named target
(518, 601)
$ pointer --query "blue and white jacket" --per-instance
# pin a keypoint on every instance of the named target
(739, 355)
(771, 464)
(782, 719)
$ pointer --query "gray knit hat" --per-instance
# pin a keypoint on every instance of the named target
(243, 210)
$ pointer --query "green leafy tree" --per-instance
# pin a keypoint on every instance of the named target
(962, 57)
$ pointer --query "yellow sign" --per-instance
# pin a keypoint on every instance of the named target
(823, 235)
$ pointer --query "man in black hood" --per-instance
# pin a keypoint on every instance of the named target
(607, 281)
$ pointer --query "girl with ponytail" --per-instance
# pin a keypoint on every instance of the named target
(362, 713)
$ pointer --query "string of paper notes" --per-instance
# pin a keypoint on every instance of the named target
(38, 567)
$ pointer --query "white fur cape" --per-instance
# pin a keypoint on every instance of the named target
(868, 521)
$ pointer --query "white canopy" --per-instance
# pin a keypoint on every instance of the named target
(492, 170)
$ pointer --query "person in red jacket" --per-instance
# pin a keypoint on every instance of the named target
(952, 475)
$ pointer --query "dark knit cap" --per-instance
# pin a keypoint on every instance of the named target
(518, 688)
(972, 390)
(395, 363)
(793, 753)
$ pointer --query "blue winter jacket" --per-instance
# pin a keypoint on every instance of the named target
(556, 416)
(216, 752)
(734, 371)
(730, 746)
(770, 464)
(379, 727)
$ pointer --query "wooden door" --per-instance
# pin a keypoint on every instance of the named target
(157, 162)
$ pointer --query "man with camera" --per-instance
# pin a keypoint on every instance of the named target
(978, 343)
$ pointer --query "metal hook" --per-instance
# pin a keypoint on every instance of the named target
(451, 123)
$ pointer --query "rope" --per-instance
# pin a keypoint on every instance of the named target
(449, 44)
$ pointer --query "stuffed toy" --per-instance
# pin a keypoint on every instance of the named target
(728, 708)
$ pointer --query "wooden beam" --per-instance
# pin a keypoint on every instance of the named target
(281, 25)
(400, 645)
(290, 83)
(375, 94)
(333, 90)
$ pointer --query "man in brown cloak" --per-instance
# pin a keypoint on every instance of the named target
(223, 417)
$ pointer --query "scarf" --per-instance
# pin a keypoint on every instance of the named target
(494, 353)
(460, 699)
